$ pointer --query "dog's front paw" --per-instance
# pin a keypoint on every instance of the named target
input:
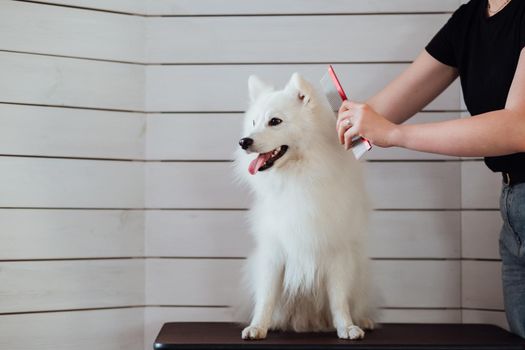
(367, 324)
(253, 332)
(351, 332)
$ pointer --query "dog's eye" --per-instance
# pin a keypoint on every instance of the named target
(274, 121)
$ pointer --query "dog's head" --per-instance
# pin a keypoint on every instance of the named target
(280, 125)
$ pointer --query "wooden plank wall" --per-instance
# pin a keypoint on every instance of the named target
(72, 138)
(116, 217)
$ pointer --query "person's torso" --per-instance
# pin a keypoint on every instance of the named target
(487, 51)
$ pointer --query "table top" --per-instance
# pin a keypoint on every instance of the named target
(221, 335)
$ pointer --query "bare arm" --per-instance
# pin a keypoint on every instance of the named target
(489, 134)
(413, 89)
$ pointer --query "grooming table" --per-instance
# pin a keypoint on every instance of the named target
(218, 335)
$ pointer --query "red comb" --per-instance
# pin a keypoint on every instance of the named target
(337, 83)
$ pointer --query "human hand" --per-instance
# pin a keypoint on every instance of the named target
(358, 119)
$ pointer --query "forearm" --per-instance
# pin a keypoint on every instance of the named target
(413, 89)
(392, 102)
(490, 134)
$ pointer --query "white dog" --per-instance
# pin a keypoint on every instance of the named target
(309, 218)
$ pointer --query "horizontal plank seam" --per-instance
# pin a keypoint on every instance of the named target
(290, 14)
(72, 107)
(244, 258)
(142, 160)
(175, 257)
(76, 7)
(237, 209)
(418, 308)
(272, 63)
(430, 160)
(206, 63)
(147, 64)
(299, 14)
(375, 209)
(168, 112)
(186, 306)
(386, 160)
(435, 209)
(141, 257)
(226, 307)
(72, 310)
(14, 155)
(381, 308)
(242, 112)
(160, 257)
(71, 208)
(95, 59)
(482, 309)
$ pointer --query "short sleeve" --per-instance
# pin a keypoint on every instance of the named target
(442, 45)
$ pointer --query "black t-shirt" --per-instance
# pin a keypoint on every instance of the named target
(485, 50)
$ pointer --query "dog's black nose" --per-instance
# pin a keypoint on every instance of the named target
(245, 142)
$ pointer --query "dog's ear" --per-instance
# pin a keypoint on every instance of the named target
(257, 87)
(300, 88)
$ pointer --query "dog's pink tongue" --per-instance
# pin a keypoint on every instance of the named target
(258, 162)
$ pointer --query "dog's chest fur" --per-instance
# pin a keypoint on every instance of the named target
(298, 224)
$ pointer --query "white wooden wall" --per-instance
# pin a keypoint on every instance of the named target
(114, 215)
(72, 139)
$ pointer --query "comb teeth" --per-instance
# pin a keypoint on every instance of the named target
(359, 145)
(330, 92)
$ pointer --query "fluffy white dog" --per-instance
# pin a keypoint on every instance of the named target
(309, 218)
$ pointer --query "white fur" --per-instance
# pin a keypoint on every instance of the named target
(309, 270)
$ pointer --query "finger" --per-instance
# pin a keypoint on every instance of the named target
(345, 105)
(340, 134)
(349, 135)
(348, 105)
(343, 126)
(344, 115)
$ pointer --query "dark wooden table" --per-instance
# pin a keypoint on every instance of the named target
(217, 335)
